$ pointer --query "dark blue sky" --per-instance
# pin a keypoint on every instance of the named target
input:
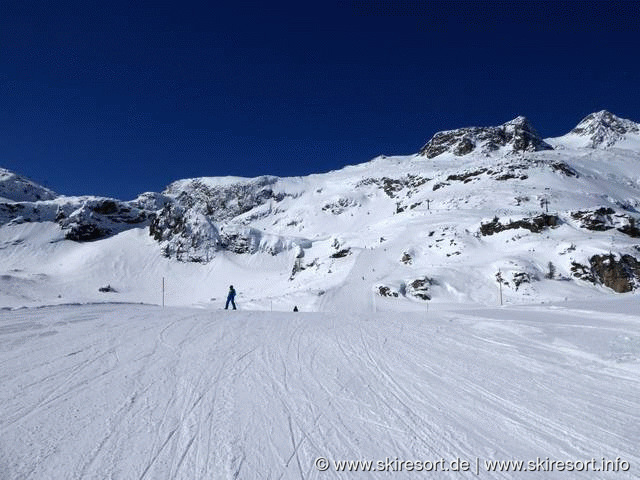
(116, 98)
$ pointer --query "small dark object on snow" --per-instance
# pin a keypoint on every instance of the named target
(108, 288)
(295, 308)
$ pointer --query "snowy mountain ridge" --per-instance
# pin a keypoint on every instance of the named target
(557, 218)
(601, 130)
(605, 129)
(517, 135)
(17, 188)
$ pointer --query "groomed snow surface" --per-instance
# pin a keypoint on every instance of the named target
(121, 391)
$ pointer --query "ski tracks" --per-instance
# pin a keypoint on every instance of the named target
(184, 394)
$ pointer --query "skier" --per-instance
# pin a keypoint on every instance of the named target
(295, 308)
(230, 298)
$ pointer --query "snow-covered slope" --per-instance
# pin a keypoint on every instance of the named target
(601, 130)
(396, 232)
(20, 189)
(398, 353)
(141, 392)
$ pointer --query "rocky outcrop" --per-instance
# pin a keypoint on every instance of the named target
(620, 274)
(392, 186)
(385, 291)
(340, 205)
(81, 218)
(224, 201)
(420, 288)
(101, 218)
(204, 216)
(606, 218)
(598, 220)
(534, 224)
(518, 134)
(341, 253)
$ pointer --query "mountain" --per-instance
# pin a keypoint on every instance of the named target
(515, 136)
(16, 188)
(552, 220)
(601, 130)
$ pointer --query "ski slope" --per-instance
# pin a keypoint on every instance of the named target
(126, 391)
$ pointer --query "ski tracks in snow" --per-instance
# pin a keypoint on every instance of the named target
(144, 393)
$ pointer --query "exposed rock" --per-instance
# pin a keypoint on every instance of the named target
(535, 224)
(621, 275)
(391, 186)
(237, 243)
(466, 176)
(81, 218)
(224, 201)
(582, 272)
(341, 253)
(630, 229)
(385, 291)
(85, 232)
(606, 218)
(518, 134)
(107, 207)
(564, 169)
(168, 223)
(340, 205)
(101, 218)
(597, 220)
(420, 288)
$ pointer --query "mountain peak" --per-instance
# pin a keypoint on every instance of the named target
(20, 189)
(604, 129)
(520, 120)
(518, 134)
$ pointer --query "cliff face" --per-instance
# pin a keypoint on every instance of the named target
(621, 274)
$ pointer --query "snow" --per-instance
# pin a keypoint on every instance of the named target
(17, 188)
(137, 391)
(99, 384)
(349, 209)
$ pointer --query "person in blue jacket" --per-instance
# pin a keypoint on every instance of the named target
(230, 298)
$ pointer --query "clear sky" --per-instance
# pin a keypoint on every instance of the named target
(117, 98)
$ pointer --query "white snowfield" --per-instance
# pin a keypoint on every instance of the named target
(398, 359)
(117, 391)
